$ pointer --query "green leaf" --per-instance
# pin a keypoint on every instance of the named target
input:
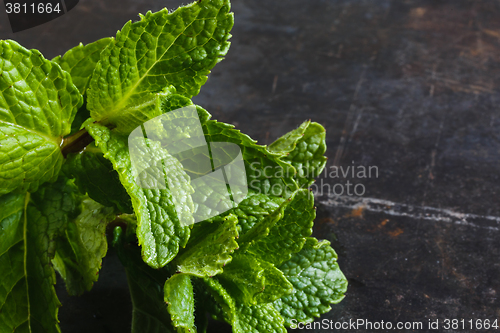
(159, 228)
(253, 281)
(222, 304)
(83, 245)
(178, 294)
(260, 318)
(317, 282)
(263, 227)
(266, 172)
(181, 134)
(289, 234)
(226, 145)
(304, 148)
(29, 227)
(58, 203)
(243, 318)
(95, 176)
(204, 304)
(38, 102)
(243, 278)
(287, 143)
(81, 116)
(14, 306)
(209, 248)
(149, 311)
(162, 49)
(275, 284)
(255, 208)
(81, 60)
(47, 215)
(173, 102)
(252, 210)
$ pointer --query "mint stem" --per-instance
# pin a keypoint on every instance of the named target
(76, 142)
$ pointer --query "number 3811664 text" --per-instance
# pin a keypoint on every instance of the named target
(32, 8)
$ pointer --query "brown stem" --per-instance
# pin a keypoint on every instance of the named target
(76, 142)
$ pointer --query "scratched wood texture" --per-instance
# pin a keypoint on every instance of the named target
(411, 87)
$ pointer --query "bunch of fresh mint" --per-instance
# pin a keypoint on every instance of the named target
(66, 178)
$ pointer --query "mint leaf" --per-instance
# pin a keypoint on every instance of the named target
(57, 203)
(14, 305)
(224, 142)
(26, 158)
(82, 246)
(254, 208)
(46, 216)
(243, 278)
(243, 318)
(154, 168)
(38, 102)
(162, 49)
(178, 294)
(149, 312)
(251, 281)
(223, 305)
(317, 282)
(81, 116)
(229, 145)
(263, 227)
(80, 63)
(288, 235)
(181, 134)
(159, 229)
(209, 248)
(304, 149)
(81, 60)
(95, 176)
(287, 143)
(275, 284)
(205, 305)
(28, 301)
(174, 101)
(260, 318)
(266, 172)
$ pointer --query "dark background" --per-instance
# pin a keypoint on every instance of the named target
(411, 87)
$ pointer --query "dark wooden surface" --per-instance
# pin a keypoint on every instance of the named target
(411, 87)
